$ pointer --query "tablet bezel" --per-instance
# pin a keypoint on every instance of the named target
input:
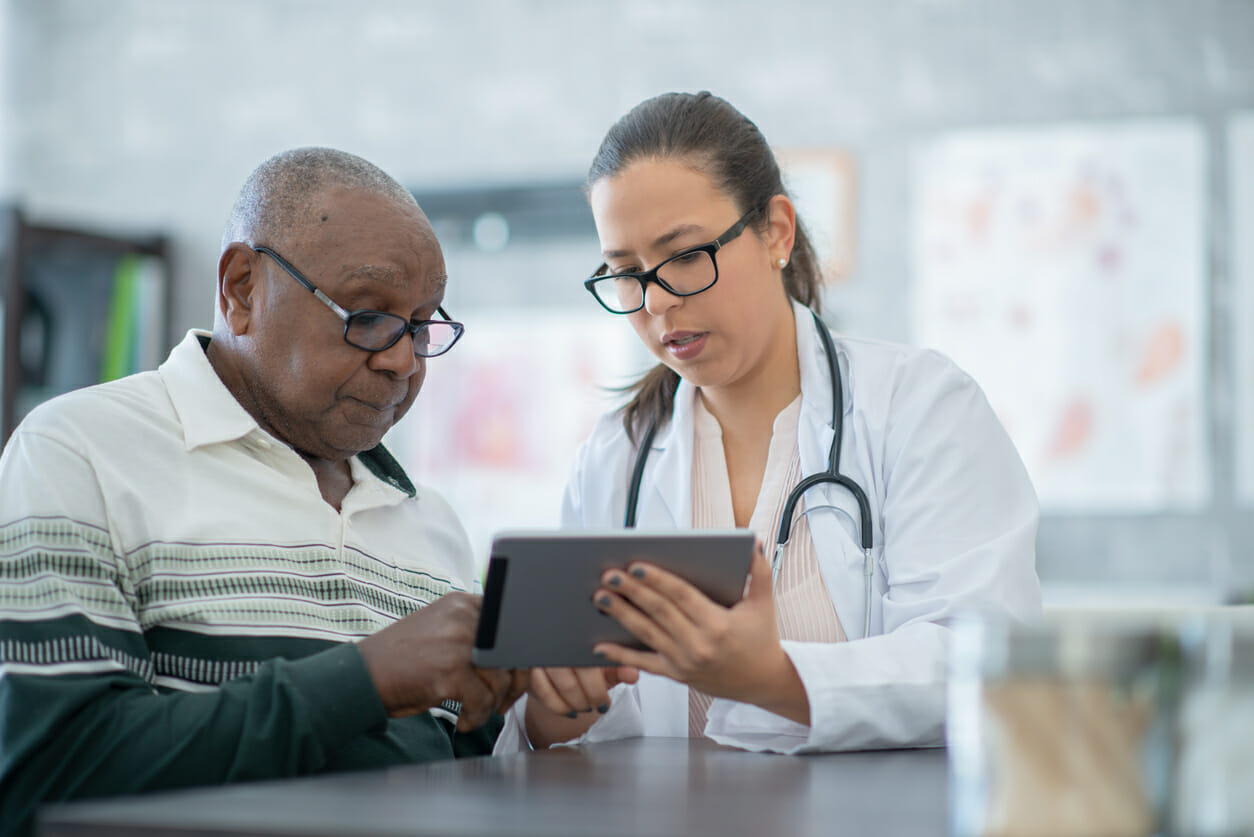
(538, 609)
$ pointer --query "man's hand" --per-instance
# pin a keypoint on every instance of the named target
(424, 659)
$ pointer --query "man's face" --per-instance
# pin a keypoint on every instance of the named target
(325, 398)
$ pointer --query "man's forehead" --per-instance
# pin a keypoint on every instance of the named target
(363, 235)
(434, 279)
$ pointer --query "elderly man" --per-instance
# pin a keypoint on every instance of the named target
(215, 572)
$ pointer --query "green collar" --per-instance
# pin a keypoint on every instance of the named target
(384, 466)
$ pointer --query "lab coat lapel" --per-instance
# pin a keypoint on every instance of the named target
(836, 546)
(814, 428)
(668, 477)
(668, 483)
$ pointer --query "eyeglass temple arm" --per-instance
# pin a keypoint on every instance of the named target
(330, 303)
(305, 283)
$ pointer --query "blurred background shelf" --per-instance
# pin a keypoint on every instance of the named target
(79, 307)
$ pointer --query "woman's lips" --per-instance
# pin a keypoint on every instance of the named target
(685, 345)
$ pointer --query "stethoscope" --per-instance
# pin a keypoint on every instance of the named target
(831, 475)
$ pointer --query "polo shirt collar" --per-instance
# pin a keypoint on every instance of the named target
(207, 410)
(210, 414)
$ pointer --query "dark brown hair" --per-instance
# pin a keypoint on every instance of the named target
(723, 143)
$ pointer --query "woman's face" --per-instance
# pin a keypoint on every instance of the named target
(655, 208)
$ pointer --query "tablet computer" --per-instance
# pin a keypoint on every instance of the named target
(537, 598)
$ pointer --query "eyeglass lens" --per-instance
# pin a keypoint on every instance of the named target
(375, 331)
(688, 273)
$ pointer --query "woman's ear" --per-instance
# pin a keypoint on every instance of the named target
(781, 229)
(237, 286)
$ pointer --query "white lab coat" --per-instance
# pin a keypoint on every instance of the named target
(955, 520)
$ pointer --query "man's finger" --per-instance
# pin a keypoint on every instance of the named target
(497, 680)
(477, 701)
(518, 680)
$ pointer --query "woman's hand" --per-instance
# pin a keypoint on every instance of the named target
(564, 702)
(725, 652)
(574, 691)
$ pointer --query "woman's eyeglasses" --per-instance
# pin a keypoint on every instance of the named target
(684, 274)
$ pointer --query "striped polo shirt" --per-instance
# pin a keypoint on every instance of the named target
(178, 603)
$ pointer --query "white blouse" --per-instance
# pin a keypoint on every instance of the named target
(803, 608)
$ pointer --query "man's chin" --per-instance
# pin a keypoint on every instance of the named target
(353, 444)
(343, 445)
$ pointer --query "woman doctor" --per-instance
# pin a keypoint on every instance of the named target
(704, 254)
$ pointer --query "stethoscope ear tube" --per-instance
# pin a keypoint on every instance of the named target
(637, 474)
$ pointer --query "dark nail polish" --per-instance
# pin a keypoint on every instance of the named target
(616, 580)
(572, 714)
(604, 601)
(637, 572)
(603, 708)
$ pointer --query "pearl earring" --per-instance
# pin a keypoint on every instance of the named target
(782, 262)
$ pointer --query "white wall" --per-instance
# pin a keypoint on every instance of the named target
(6, 109)
(147, 114)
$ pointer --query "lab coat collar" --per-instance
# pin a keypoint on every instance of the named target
(672, 448)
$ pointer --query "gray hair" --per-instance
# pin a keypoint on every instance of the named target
(276, 197)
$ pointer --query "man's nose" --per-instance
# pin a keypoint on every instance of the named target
(399, 358)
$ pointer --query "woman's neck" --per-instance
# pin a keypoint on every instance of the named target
(747, 408)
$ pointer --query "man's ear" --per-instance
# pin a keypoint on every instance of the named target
(237, 287)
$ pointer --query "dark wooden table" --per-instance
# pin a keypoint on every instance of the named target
(654, 786)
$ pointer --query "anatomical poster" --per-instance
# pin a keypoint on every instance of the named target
(1063, 267)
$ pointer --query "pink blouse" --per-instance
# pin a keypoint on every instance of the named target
(803, 608)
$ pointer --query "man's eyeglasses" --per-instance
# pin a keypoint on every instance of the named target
(375, 331)
(686, 273)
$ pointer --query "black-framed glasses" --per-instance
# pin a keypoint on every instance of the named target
(375, 331)
(686, 273)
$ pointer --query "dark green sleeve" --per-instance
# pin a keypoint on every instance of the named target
(73, 736)
(478, 742)
(79, 712)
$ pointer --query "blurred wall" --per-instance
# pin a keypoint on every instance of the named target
(7, 111)
(143, 114)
